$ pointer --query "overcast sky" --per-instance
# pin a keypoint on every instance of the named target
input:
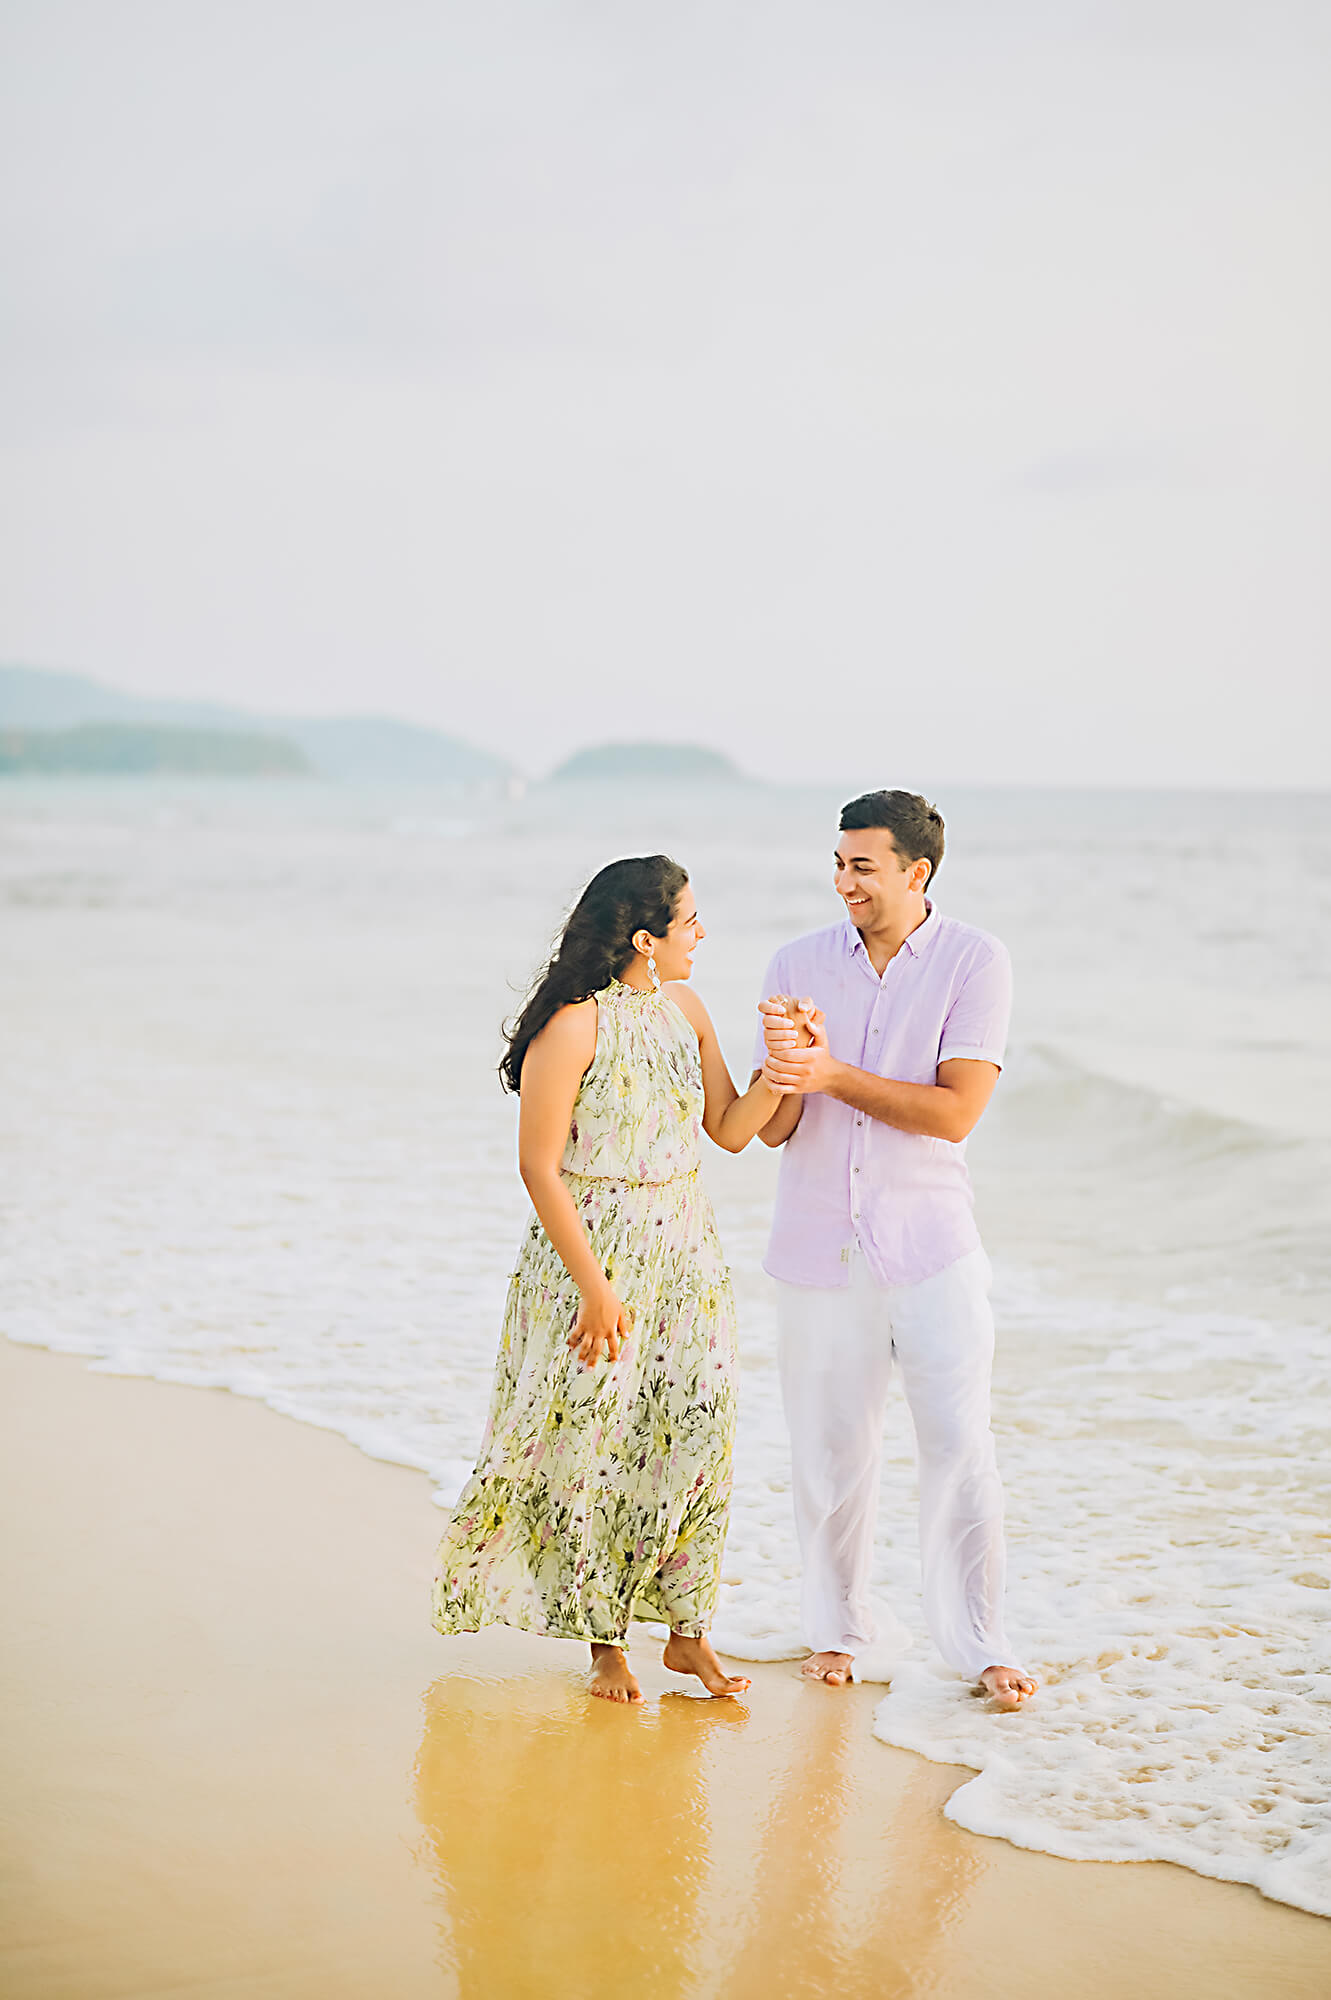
(886, 392)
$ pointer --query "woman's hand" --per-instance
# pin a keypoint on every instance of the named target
(602, 1323)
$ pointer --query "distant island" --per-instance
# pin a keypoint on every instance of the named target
(348, 748)
(139, 750)
(649, 760)
(68, 723)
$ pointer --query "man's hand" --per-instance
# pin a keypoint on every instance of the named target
(792, 1030)
(787, 1023)
(788, 1067)
(786, 1027)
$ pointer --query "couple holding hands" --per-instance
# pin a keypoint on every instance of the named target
(602, 1490)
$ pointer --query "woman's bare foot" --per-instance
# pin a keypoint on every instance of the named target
(611, 1679)
(695, 1656)
(1008, 1686)
(834, 1668)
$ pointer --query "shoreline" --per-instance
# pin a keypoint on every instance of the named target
(241, 1762)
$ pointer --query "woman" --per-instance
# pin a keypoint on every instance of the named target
(603, 1486)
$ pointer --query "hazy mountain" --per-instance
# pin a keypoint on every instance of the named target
(367, 747)
(649, 760)
(140, 749)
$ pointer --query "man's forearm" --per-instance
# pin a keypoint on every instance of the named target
(929, 1109)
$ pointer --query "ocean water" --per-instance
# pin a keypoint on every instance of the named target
(251, 1136)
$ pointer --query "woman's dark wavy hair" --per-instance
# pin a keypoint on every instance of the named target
(638, 894)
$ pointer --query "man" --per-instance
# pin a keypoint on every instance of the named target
(874, 1246)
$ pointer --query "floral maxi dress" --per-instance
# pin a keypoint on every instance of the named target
(603, 1493)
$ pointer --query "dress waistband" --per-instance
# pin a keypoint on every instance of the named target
(625, 1180)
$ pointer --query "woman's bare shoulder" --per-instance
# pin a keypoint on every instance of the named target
(570, 1032)
(689, 1004)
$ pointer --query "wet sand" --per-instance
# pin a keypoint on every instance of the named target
(237, 1762)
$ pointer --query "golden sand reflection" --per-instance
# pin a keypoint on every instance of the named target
(581, 1849)
(858, 1883)
(570, 1836)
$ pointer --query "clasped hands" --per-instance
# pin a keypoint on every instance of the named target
(795, 1033)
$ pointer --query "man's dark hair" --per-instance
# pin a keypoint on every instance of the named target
(916, 827)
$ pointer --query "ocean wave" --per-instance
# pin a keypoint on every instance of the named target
(1118, 1191)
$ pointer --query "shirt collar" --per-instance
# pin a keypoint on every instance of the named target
(924, 934)
(918, 942)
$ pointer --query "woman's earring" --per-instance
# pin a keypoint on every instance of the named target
(651, 967)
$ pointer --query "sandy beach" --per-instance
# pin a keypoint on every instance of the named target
(238, 1762)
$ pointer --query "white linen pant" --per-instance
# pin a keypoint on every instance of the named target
(837, 1350)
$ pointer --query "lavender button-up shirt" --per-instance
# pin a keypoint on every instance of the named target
(847, 1178)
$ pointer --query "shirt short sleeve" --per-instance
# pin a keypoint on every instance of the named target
(773, 982)
(977, 1021)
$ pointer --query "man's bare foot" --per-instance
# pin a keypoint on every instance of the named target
(611, 1679)
(834, 1668)
(1008, 1686)
(695, 1656)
